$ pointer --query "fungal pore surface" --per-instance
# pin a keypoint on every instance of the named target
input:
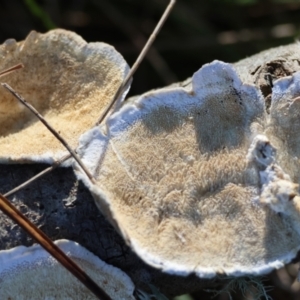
(202, 179)
(32, 273)
(68, 80)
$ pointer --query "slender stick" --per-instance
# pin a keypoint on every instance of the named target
(138, 61)
(53, 249)
(42, 173)
(12, 69)
(138, 40)
(50, 128)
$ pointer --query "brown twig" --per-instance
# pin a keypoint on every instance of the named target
(53, 249)
(12, 69)
(138, 40)
(138, 60)
(42, 173)
(50, 128)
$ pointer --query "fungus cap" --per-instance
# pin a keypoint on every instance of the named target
(67, 80)
(32, 273)
(189, 177)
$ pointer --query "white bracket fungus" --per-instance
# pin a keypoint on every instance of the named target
(32, 273)
(67, 80)
(193, 178)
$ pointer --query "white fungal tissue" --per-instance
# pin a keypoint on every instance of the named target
(203, 179)
(32, 273)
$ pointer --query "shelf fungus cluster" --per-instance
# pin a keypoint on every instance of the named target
(31, 273)
(202, 179)
(67, 80)
(199, 179)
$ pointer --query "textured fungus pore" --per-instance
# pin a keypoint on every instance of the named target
(67, 80)
(188, 178)
(284, 123)
(31, 273)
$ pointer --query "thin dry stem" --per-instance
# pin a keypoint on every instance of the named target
(138, 40)
(50, 247)
(138, 61)
(50, 128)
(12, 69)
(44, 172)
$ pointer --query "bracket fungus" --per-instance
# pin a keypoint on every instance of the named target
(198, 179)
(31, 273)
(67, 80)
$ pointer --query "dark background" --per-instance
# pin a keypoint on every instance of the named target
(197, 32)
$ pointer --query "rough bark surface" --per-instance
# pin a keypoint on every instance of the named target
(63, 208)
